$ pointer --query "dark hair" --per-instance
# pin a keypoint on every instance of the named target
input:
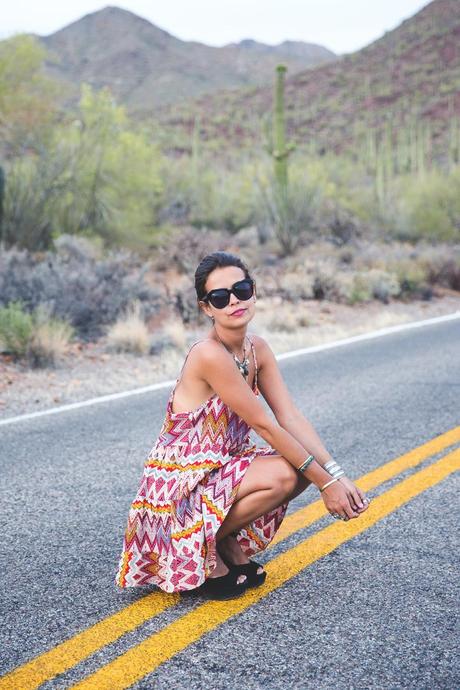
(209, 263)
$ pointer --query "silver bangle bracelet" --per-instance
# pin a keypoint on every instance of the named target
(305, 464)
(330, 462)
(334, 468)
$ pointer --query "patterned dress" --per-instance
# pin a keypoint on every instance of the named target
(189, 483)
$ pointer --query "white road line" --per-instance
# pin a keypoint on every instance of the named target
(285, 355)
(371, 334)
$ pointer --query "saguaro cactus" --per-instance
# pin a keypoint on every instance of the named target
(280, 151)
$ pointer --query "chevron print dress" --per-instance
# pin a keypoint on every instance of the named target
(189, 483)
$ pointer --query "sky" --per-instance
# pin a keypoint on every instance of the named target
(340, 25)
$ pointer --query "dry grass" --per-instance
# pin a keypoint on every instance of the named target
(50, 339)
(49, 343)
(176, 333)
(129, 333)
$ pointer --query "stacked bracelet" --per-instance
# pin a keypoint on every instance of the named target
(305, 464)
(331, 481)
(334, 468)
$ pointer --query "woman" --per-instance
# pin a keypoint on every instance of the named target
(208, 498)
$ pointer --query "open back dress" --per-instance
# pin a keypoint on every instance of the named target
(189, 482)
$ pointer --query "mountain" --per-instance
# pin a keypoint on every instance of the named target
(145, 66)
(410, 73)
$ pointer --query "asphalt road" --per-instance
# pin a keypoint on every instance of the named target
(378, 611)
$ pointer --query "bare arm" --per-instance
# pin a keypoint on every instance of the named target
(224, 378)
(288, 415)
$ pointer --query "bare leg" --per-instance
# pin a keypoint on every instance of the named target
(254, 499)
(249, 508)
(228, 544)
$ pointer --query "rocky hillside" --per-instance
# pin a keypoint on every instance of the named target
(146, 67)
(410, 73)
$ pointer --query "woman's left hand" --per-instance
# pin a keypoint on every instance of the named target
(357, 497)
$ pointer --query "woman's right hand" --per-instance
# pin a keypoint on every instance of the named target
(337, 502)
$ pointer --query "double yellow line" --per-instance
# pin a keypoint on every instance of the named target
(142, 659)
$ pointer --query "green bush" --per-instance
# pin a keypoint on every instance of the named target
(360, 289)
(293, 216)
(428, 207)
(16, 329)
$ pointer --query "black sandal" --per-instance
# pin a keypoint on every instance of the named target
(223, 587)
(253, 578)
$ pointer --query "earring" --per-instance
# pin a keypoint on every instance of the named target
(212, 319)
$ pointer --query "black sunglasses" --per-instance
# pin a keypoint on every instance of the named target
(220, 297)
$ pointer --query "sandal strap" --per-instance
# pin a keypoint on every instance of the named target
(224, 583)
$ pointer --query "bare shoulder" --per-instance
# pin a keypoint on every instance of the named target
(263, 349)
(208, 352)
(203, 356)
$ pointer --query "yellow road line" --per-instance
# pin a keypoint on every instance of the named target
(72, 651)
(137, 662)
(314, 511)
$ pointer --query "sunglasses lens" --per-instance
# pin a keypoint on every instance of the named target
(219, 299)
(243, 290)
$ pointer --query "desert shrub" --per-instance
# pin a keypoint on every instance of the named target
(347, 207)
(129, 333)
(89, 293)
(346, 256)
(114, 187)
(50, 338)
(175, 331)
(411, 275)
(293, 219)
(288, 324)
(177, 199)
(383, 284)
(183, 248)
(28, 98)
(16, 328)
(441, 265)
(327, 283)
(223, 198)
(428, 207)
(171, 335)
(355, 286)
(36, 336)
(200, 192)
(359, 289)
(97, 175)
(33, 187)
(296, 285)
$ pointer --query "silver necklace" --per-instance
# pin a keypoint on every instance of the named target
(242, 366)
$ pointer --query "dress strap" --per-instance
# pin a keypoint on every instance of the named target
(190, 348)
(173, 390)
(256, 388)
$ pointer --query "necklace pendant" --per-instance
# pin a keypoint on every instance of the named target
(242, 366)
